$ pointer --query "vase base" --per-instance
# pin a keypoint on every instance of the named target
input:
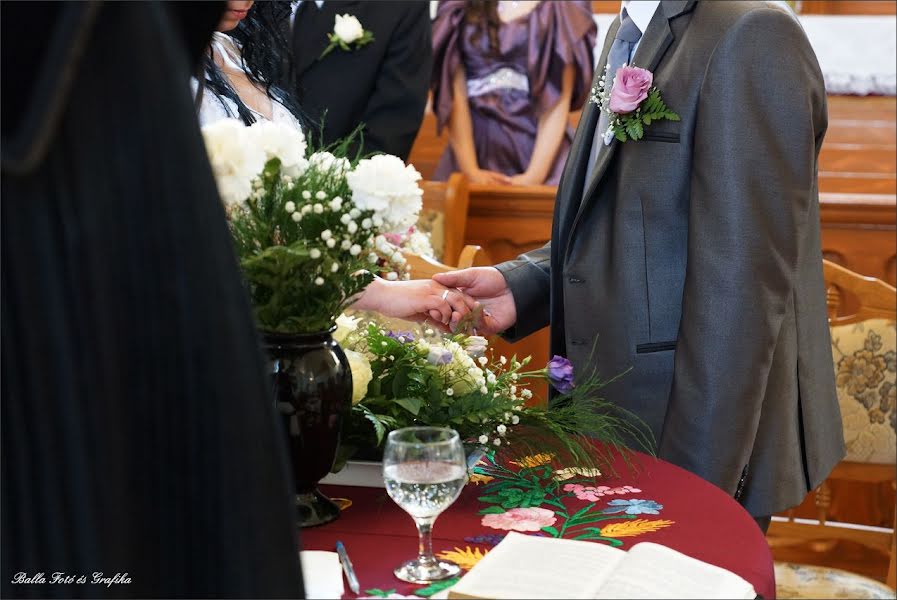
(314, 509)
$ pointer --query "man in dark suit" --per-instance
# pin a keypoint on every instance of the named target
(693, 256)
(382, 84)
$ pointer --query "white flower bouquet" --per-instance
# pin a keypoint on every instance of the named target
(309, 229)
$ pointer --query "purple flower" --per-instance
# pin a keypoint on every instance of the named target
(487, 540)
(439, 356)
(560, 374)
(401, 336)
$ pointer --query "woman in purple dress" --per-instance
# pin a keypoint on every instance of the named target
(505, 77)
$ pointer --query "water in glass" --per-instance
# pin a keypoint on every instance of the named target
(424, 470)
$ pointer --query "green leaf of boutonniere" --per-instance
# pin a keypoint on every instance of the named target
(335, 42)
(631, 126)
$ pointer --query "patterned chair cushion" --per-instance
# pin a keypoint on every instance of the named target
(866, 378)
(809, 581)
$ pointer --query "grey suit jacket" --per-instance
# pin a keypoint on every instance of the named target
(694, 256)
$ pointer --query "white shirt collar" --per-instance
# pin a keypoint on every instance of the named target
(640, 11)
(295, 6)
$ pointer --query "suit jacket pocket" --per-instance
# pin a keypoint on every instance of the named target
(670, 137)
(655, 347)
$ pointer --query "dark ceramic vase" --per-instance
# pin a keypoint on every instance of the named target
(312, 387)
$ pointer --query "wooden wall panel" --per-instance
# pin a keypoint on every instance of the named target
(848, 7)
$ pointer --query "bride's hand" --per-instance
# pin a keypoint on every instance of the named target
(416, 300)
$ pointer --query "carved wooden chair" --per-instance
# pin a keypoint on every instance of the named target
(444, 216)
(863, 347)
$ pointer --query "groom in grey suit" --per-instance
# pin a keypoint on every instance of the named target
(693, 256)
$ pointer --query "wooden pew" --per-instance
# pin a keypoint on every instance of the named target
(449, 201)
(510, 221)
(859, 232)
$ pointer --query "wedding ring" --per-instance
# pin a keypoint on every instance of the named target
(445, 294)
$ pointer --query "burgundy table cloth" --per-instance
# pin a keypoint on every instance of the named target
(657, 502)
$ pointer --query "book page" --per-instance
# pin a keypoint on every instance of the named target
(525, 566)
(655, 571)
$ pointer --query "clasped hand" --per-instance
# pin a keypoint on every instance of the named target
(446, 300)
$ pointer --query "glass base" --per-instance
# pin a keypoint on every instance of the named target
(426, 571)
(315, 509)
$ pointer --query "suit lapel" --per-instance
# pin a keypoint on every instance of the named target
(310, 32)
(652, 47)
(574, 169)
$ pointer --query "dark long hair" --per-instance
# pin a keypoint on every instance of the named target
(267, 60)
(484, 15)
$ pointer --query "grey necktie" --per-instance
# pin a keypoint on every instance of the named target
(627, 37)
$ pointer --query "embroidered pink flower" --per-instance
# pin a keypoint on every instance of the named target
(521, 519)
(592, 493)
(631, 86)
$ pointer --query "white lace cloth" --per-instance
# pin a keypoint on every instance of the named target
(211, 109)
(857, 54)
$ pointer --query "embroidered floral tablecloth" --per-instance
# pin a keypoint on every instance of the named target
(654, 501)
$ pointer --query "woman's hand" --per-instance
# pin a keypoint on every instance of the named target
(486, 177)
(525, 179)
(416, 300)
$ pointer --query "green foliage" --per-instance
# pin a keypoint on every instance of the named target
(632, 125)
(485, 400)
(297, 283)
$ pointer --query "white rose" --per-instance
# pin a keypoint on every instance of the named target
(385, 185)
(347, 28)
(361, 374)
(344, 326)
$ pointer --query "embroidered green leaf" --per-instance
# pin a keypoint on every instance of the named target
(491, 499)
(378, 593)
(551, 530)
(581, 511)
(492, 510)
(595, 518)
(438, 586)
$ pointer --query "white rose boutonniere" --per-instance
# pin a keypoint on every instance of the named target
(348, 34)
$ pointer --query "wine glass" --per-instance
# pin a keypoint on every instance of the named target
(424, 469)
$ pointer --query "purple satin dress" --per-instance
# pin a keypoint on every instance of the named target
(508, 92)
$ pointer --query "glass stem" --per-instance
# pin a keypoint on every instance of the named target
(425, 540)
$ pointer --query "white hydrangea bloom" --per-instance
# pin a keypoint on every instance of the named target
(325, 161)
(419, 243)
(285, 142)
(385, 185)
(235, 160)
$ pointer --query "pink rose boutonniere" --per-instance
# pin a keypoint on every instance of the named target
(631, 103)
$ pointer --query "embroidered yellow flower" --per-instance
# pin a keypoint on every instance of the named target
(465, 558)
(571, 472)
(533, 460)
(479, 478)
(632, 528)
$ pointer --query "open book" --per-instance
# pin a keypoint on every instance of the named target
(524, 566)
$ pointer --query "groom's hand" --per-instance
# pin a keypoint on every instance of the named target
(487, 286)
